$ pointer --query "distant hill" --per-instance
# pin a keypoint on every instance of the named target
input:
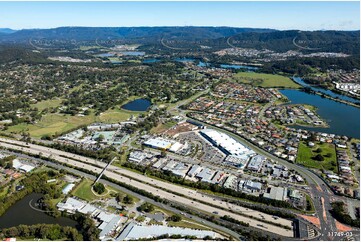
(307, 41)
(220, 37)
(92, 33)
(10, 53)
(7, 31)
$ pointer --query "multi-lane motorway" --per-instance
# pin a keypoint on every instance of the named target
(165, 190)
(317, 189)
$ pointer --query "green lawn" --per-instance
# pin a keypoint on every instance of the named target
(51, 124)
(52, 103)
(116, 115)
(83, 191)
(188, 224)
(305, 156)
(265, 80)
(162, 127)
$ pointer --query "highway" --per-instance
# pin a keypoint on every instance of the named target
(125, 190)
(318, 188)
(163, 189)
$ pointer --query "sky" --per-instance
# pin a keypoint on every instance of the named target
(276, 15)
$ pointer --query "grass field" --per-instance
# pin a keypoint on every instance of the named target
(83, 191)
(116, 115)
(265, 80)
(162, 127)
(52, 103)
(187, 224)
(305, 156)
(51, 124)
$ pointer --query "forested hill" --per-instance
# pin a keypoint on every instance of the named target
(347, 42)
(332, 41)
(91, 33)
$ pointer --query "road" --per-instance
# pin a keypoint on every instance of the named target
(318, 188)
(155, 187)
(143, 198)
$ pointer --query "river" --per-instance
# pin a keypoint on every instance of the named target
(325, 91)
(26, 212)
(343, 119)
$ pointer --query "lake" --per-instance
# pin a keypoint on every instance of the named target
(106, 55)
(343, 119)
(228, 66)
(25, 212)
(150, 61)
(137, 105)
(325, 91)
(133, 53)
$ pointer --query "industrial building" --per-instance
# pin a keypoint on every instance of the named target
(276, 193)
(138, 156)
(256, 163)
(227, 144)
(206, 175)
(236, 161)
(18, 165)
(163, 144)
(68, 188)
(194, 170)
(107, 222)
(136, 232)
(158, 143)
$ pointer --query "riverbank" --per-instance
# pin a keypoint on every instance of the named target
(326, 93)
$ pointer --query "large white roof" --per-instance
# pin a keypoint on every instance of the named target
(228, 143)
(138, 232)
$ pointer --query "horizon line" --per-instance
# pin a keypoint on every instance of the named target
(175, 26)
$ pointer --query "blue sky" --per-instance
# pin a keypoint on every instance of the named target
(278, 15)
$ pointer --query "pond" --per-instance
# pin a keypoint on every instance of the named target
(343, 119)
(26, 212)
(137, 105)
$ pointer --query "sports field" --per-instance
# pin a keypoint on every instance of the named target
(265, 80)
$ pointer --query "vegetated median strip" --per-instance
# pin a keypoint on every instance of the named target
(115, 170)
(167, 195)
(180, 194)
(124, 185)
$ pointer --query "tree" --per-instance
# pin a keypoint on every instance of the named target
(146, 207)
(99, 188)
(318, 150)
(128, 199)
(119, 197)
(100, 138)
(163, 153)
(319, 157)
(175, 218)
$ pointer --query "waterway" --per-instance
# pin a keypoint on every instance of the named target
(325, 91)
(137, 105)
(133, 53)
(26, 212)
(150, 61)
(343, 119)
